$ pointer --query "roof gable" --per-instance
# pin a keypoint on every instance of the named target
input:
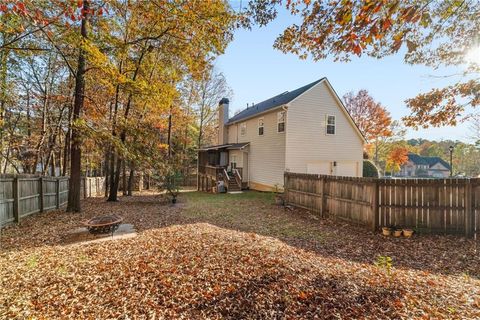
(430, 161)
(272, 103)
(434, 160)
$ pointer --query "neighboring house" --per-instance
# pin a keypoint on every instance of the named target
(307, 130)
(428, 167)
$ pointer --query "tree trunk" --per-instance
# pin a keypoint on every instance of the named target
(112, 195)
(123, 134)
(130, 180)
(107, 171)
(124, 178)
(169, 133)
(116, 178)
(74, 186)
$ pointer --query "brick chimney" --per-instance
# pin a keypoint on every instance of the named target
(222, 120)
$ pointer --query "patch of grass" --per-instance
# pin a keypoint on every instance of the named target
(227, 197)
(250, 211)
(32, 262)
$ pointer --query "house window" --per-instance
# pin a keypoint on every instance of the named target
(330, 124)
(281, 121)
(260, 127)
(243, 129)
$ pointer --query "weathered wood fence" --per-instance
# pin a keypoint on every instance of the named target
(23, 196)
(443, 206)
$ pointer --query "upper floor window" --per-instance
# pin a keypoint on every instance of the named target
(281, 121)
(243, 128)
(330, 124)
(260, 127)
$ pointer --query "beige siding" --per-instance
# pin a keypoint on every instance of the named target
(309, 149)
(266, 156)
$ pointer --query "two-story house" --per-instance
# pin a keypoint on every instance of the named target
(426, 167)
(307, 130)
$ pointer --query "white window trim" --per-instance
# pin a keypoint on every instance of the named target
(284, 121)
(261, 126)
(241, 125)
(334, 125)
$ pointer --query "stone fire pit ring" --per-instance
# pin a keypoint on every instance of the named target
(103, 224)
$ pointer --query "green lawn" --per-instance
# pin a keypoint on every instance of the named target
(252, 212)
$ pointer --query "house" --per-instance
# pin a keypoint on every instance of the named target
(307, 130)
(427, 167)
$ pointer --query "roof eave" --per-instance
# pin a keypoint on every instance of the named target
(258, 114)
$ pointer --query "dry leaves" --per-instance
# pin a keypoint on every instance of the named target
(188, 262)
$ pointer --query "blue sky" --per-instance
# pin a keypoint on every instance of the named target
(256, 71)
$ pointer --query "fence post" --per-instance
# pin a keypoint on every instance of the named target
(323, 198)
(16, 199)
(375, 204)
(285, 187)
(57, 191)
(468, 208)
(84, 187)
(97, 186)
(40, 192)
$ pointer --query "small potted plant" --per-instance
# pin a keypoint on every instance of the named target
(397, 232)
(387, 231)
(407, 233)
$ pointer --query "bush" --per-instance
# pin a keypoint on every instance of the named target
(369, 169)
(172, 184)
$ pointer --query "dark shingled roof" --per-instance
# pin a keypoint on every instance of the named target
(271, 103)
(433, 160)
(229, 146)
(430, 161)
(416, 159)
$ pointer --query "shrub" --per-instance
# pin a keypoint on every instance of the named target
(369, 169)
(172, 183)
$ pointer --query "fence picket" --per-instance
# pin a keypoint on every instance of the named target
(21, 196)
(446, 206)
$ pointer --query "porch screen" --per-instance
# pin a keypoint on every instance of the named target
(223, 158)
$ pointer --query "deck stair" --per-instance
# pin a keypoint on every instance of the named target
(233, 184)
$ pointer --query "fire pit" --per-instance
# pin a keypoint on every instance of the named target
(103, 224)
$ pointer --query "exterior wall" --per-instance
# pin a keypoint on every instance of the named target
(409, 169)
(242, 161)
(266, 156)
(239, 157)
(309, 149)
(438, 171)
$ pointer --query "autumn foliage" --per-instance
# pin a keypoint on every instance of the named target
(370, 116)
(432, 33)
(397, 157)
(105, 78)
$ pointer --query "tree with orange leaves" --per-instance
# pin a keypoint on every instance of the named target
(433, 33)
(397, 157)
(371, 118)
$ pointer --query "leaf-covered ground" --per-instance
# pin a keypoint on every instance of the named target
(230, 256)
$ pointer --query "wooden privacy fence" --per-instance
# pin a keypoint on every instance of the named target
(445, 206)
(23, 196)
